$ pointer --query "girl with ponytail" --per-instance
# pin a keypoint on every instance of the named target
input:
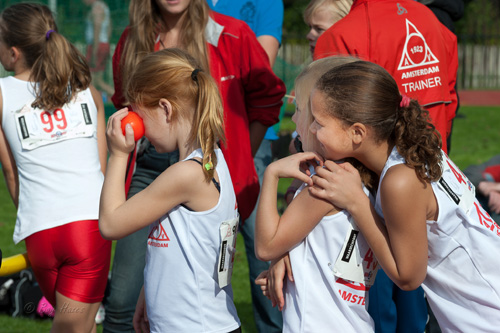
(226, 49)
(53, 155)
(190, 208)
(426, 227)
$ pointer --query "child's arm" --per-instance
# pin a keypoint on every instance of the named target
(276, 235)
(276, 278)
(119, 217)
(9, 167)
(401, 244)
(101, 128)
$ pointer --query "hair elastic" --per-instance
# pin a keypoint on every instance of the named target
(194, 74)
(209, 165)
(47, 35)
(405, 101)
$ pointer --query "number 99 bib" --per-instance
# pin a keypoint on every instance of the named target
(37, 128)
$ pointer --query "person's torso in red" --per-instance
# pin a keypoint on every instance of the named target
(407, 40)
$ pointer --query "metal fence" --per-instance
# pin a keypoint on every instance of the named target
(479, 66)
(478, 53)
(479, 63)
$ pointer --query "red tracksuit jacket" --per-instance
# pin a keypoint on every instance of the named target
(405, 38)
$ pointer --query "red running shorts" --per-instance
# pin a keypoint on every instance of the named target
(72, 259)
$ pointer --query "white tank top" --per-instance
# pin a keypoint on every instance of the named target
(60, 176)
(463, 276)
(105, 24)
(322, 298)
(180, 277)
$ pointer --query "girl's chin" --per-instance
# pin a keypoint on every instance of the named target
(325, 154)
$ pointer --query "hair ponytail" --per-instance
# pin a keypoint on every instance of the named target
(60, 72)
(418, 141)
(366, 93)
(208, 125)
(58, 69)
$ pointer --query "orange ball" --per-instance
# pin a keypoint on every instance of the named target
(136, 122)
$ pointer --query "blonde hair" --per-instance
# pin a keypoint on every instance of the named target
(146, 23)
(57, 67)
(304, 84)
(337, 8)
(170, 74)
(305, 81)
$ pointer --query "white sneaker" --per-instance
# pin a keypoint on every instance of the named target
(99, 317)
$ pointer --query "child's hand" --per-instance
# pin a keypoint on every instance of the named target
(119, 144)
(494, 202)
(295, 166)
(140, 321)
(340, 184)
(261, 280)
(276, 278)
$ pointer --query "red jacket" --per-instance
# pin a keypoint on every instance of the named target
(250, 92)
(405, 38)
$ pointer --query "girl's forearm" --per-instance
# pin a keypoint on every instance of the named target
(267, 219)
(112, 195)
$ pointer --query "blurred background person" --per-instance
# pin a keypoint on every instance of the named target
(97, 33)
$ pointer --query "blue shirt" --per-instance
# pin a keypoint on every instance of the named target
(264, 17)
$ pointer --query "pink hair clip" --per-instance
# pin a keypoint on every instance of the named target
(405, 101)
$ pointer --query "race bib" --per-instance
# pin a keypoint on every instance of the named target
(228, 230)
(456, 185)
(37, 128)
(356, 261)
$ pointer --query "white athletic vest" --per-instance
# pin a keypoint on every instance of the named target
(60, 176)
(463, 275)
(319, 299)
(180, 277)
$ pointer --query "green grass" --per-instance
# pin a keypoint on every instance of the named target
(475, 139)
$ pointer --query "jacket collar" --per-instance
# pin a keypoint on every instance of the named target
(213, 31)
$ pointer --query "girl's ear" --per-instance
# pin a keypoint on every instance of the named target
(167, 109)
(358, 133)
(14, 55)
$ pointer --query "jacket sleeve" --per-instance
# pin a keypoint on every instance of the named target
(451, 108)
(263, 90)
(118, 99)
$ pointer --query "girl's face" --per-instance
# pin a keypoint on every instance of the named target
(173, 7)
(302, 118)
(331, 133)
(157, 130)
(321, 19)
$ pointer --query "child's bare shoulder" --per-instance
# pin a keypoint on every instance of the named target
(401, 182)
(184, 173)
